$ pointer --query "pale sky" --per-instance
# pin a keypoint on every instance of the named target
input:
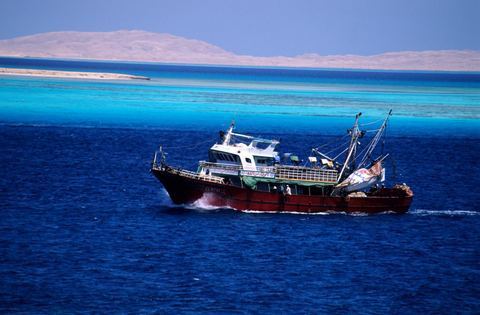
(265, 28)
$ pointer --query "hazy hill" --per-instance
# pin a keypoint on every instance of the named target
(159, 47)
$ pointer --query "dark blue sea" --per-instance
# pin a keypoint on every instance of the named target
(86, 228)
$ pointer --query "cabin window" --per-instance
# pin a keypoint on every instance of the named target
(264, 161)
(217, 156)
(233, 158)
(248, 160)
(212, 157)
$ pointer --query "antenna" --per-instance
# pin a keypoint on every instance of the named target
(228, 135)
(355, 134)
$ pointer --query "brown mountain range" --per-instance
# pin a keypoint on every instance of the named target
(160, 47)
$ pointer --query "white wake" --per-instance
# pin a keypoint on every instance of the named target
(427, 212)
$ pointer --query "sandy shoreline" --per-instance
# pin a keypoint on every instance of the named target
(69, 74)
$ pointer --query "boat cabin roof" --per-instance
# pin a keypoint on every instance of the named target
(246, 150)
(257, 147)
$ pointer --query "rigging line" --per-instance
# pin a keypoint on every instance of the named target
(372, 122)
(345, 150)
(338, 147)
(364, 158)
(372, 146)
(317, 151)
(331, 142)
(384, 138)
(365, 149)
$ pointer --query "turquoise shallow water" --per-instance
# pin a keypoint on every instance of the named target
(187, 98)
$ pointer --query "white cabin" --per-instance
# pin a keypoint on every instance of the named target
(234, 158)
(259, 153)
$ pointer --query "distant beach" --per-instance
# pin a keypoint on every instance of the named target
(69, 74)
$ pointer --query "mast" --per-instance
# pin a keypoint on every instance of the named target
(376, 139)
(352, 149)
(228, 135)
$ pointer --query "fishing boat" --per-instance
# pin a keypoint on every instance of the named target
(247, 173)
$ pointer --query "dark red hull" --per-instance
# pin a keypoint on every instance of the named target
(186, 190)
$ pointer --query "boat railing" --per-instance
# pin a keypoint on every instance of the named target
(283, 172)
(230, 167)
(235, 167)
(308, 174)
(193, 175)
(187, 173)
